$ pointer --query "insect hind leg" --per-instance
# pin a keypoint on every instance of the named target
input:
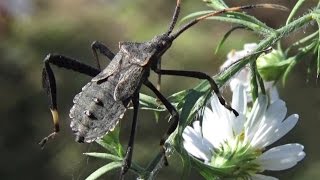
(49, 84)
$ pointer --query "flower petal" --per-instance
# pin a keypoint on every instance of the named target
(214, 128)
(262, 177)
(239, 99)
(197, 128)
(269, 124)
(238, 124)
(218, 109)
(195, 145)
(282, 129)
(277, 111)
(255, 117)
(281, 157)
(273, 94)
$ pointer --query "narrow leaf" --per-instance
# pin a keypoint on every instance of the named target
(216, 4)
(104, 169)
(294, 10)
(190, 107)
(150, 103)
(237, 18)
(103, 156)
(111, 142)
(226, 36)
(289, 69)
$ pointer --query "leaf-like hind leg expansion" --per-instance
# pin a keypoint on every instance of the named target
(96, 45)
(128, 157)
(49, 84)
(199, 75)
(172, 111)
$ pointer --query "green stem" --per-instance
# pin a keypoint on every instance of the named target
(264, 44)
(253, 81)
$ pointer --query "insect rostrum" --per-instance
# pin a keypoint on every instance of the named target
(103, 101)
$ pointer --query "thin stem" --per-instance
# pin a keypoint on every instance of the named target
(253, 81)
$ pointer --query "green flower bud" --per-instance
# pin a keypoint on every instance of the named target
(272, 66)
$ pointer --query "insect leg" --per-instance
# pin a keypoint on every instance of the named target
(199, 75)
(172, 111)
(128, 157)
(159, 76)
(96, 45)
(49, 84)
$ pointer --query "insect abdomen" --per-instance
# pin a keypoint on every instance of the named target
(95, 112)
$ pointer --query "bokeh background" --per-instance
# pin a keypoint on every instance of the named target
(30, 29)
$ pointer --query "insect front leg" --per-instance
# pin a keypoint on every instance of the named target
(49, 84)
(128, 157)
(174, 114)
(96, 45)
(199, 75)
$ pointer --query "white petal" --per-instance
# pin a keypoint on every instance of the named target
(195, 145)
(273, 94)
(255, 117)
(281, 157)
(282, 129)
(218, 108)
(209, 126)
(269, 124)
(239, 99)
(238, 124)
(197, 127)
(276, 112)
(250, 46)
(262, 177)
(214, 128)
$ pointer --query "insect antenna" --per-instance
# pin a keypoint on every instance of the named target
(174, 17)
(232, 9)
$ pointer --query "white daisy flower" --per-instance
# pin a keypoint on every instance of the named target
(241, 142)
(243, 76)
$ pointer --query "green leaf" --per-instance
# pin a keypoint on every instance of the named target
(186, 161)
(216, 4)
(194, 101)
(150, 103)
(226, 36)
(104, 169)
(294, 10)
(103, 156)
(245, 20)
(304, 40)
(208, 172)
(156, 115)
(111, 142)
(293, 63)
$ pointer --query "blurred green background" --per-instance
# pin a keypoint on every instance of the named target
(31, 29)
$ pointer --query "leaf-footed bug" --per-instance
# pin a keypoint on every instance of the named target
(103, 101)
